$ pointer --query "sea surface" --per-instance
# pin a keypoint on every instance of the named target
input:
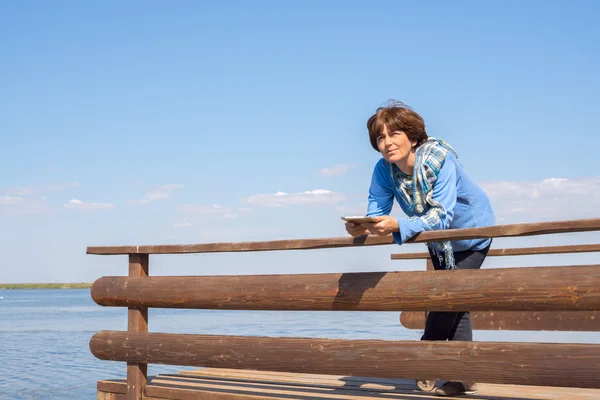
(45, 334)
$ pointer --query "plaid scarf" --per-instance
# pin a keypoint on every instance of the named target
(417, 190)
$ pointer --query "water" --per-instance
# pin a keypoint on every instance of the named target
(44, 337)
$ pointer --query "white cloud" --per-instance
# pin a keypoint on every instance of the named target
(32, 190)
(22, 191)
(339, 169)
(13, 205)
(182, 225)
(281, 199)
(82, 205)
(27, 200)
(210, 210)
(5, 200)
(548, 199)
(160, 193)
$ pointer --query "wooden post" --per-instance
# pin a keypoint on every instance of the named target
(430, 265)
(429, 268)
(137, 321)
(423, 314)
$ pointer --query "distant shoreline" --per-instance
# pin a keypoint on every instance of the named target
(81, 285)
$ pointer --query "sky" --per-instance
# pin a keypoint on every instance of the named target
(135, 123)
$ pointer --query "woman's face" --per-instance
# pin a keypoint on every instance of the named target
(395, 147)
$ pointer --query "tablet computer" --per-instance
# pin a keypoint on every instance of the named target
(359, 219)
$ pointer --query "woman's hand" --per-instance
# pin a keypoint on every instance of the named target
(356, 229)
(384, 226)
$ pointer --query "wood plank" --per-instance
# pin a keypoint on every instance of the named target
(573, 288)
(538, 364)
(306, 380)
(510, 230)
(112, 386)
(110, 396)
(270, 389)
(303, 378)
(180, 386)
(519, 251)
(580, 321)
(394, 385)
(257, 381)
(505, 392)
(198, 378)
(137, 321)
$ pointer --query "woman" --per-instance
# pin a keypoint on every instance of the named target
(427, 180)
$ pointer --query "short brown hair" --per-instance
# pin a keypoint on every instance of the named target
(397, 116)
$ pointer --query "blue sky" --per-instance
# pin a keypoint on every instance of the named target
(153, 122)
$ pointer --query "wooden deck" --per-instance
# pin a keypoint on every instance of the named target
(221, 384)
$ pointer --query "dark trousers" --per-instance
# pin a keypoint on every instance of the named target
(453, 325)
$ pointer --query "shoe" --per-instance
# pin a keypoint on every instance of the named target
(426, 386)
(470, 388)
(456, 388)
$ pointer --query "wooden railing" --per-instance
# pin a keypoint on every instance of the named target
(513, 320)
(527, 290)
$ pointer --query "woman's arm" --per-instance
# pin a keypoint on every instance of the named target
(381, 194)
(437, 217)
(381, 199)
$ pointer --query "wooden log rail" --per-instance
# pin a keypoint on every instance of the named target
(521, 291)
(507, 320)
(524, 251)
(497, 362)
(581, 321)
(572, 288)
